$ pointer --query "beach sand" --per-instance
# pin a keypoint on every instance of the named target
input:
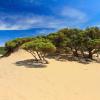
(56, 81)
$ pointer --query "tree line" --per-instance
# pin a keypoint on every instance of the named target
(77, 42)
(2, 50)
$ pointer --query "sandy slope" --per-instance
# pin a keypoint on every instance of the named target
(57, 81)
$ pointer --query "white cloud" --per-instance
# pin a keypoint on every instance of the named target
(45, 31)
(69, 17)
(74, 14)
(27, 22)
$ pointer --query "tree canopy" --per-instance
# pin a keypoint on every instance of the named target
(78, 42)
(39, 47)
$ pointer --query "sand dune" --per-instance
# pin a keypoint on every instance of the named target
(56, 81)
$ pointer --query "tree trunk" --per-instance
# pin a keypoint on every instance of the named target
(39, 56)
(75, 53)
(90, 55)
(82, 53)
(33, 55)
(45, 59)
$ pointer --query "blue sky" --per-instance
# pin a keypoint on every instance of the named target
(21, 18)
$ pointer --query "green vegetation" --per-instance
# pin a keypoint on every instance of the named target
(39, 47)
(2, 50)
(15, 44)
(77, 42)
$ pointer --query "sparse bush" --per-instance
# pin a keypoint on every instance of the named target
(39, 48)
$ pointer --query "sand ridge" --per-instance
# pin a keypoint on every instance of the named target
(57, 81)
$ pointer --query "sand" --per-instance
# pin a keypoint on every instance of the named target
(58, 81)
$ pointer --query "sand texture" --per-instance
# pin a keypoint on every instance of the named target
(56, 81)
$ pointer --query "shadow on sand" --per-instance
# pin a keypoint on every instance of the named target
(30, 63)
(71, 58)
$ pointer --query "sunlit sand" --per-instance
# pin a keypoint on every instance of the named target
(55, 81)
